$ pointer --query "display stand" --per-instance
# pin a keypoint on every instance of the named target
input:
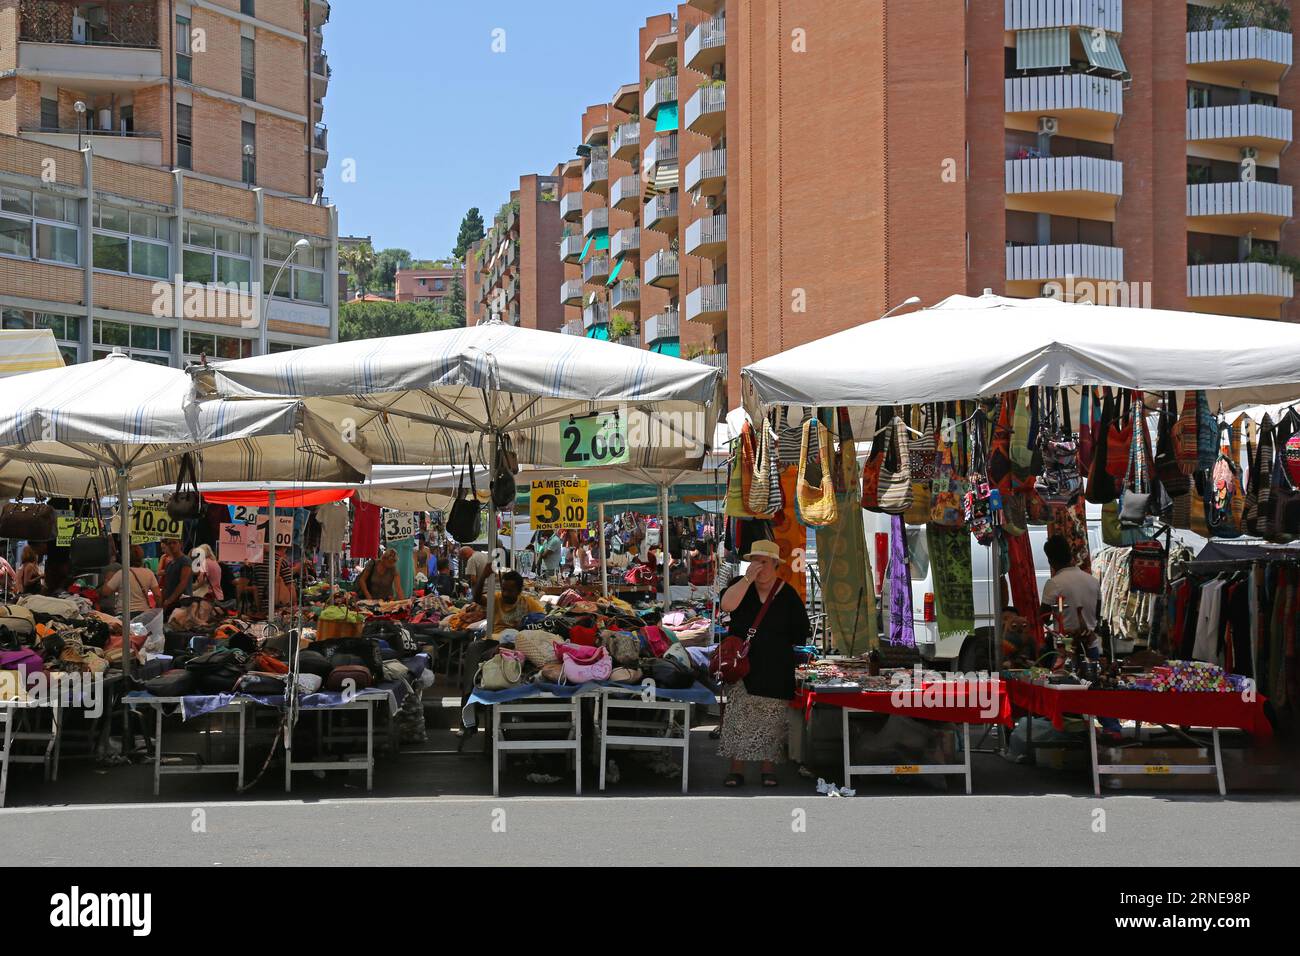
(350, 762)
(900, 770)
(236, 706)
(1150, 769)
(545, 704)
(613, 700)
(49, 759)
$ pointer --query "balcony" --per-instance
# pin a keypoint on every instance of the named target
(661, 213)
(1082, 261)
(595, 270)
(95, 67)
(661, 270)
(512, 290)
(715, 359)
(658, 93)
(595, 178)
(1088, 102)
(707, 173)
(706, 45)
(706, 111)
(626, 295)
(626, 140)
(596, 219)
(571, 292)
(320, 76)
(662, 47)
(665, 325)
(571, 328)
(626, 193)
(143, 149)
(1240, 206)
(626, 241)
(662, 151)
(1065, 185)
(1038, 14)
(627, 98)
(708, 303)
(595, 314)
(320, 13)
(1249, 53)
(1248, 124)
(571, 248)
(708, 6)
(1260, 282)
(320, 138)
(133, 23)
(571, 207)
(707, 238)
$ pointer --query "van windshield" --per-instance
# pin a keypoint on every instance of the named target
(918, 553)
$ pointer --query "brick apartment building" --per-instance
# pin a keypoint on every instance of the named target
(802, 167)
(426, 285)
(144, 141)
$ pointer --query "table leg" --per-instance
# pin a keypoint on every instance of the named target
(58, 738)
(496, 753)
(603, 704)
(1092, 746)
(1218, 764)
(686, 746)
(157, 748)
(965, 729)
(370, 746)
(288, 753)
(844, 723)
(243, 710)
(4, 753)
(577, 746)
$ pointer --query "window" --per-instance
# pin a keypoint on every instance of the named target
(439, 284)
(143, 342)
(184, 61)
(303, 279)
(39, 226)
(246, 8)
(49, 113)
(247, 68)
(198, 344)
(217, 255)
(66, 329)
(184, 136)
(135, 243)
(249, 135)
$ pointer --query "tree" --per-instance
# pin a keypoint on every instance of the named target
(456, 307)
(471, 231)
(360, 263)
(370, 320)
(389, 261)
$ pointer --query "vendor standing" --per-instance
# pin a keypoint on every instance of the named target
(380, 581)
(754, 725)
(177, 575)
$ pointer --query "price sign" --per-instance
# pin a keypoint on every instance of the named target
(245, 514)
(240, 544)
(558, 505)
(283, 529)
(71, 527)
(398, 525)
(594, 441)
(150, 522)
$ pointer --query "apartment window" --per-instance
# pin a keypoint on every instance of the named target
(246, 8)
(49, 113)
(247, 68)
(184, 61)
(66, 329)
(198, 344)
(1067, 230)
(142, 342)
(134, 243)
(303, 279)
(213, 255)
(39, 226)
(439, 284)
(184, 136)
(248, 135)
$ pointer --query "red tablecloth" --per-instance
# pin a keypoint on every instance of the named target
(1189, 709)
(983, 703)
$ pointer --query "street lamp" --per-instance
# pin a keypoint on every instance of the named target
(79, 108)
(263, 344)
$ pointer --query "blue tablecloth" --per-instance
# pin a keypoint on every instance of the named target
(196, 705)
(696, 694)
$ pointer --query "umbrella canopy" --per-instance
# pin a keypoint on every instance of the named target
(971, 347)
(415, 399)
(28, 350)
(63, 425)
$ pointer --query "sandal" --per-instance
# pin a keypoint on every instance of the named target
(769, 780)
(734, 780)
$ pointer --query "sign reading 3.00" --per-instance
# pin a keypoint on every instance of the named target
(593, 441)
(558, 505)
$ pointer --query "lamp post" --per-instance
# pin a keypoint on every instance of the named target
(79, 108)
(264, 325)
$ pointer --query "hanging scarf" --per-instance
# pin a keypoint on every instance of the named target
(846, 576)
(954, 591)
(901, 631)
(1024, 585)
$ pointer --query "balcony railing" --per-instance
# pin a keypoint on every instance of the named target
(1242, 45)
(706, 43)
(131, 23)
(1041, 263)
(708, 303)
(571, 292)
(625, 140)
(707, 237)
(1254, 199)
(1260, 279)
(707, 172)
(661, 210)
(1038, 14)
(661, 269)
(572, 328)
(662, 150)
(1082, 174)
(706, 110)
(716, 359)
(320, 137)
(571, 207)
(596, 176)
(1247, 124)
(660, 91)
(595, 314)
(626, 193)
(571, 248)
(665, 325)
(626, 241)
(595, 269)
(596, 219)
(1064, 92)
(626, 295)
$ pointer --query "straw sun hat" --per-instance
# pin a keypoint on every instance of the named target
(764, 549)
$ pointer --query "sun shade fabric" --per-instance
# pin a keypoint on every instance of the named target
(28, 350)
(586, 246)
(288, 498)
(666, 118)
(600, 331)
(1102, 50)
(1043, 49)
(601, 238)
(668, 347)
(613, 276)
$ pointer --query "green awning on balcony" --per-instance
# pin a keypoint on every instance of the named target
(1042, 49)
(666, 118)
(668, 347)
(585, 247)
(1102, 49)
(601, 238)
(598, 332)
(613, 276)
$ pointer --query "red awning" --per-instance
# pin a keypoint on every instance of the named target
(283, 499)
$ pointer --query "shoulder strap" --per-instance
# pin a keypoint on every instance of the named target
(762, 611)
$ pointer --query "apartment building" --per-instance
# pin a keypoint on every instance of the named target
(513, 272)
(427, 285)
(230, 90)
(92, 248)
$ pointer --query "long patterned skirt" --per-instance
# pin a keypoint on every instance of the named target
(753, 728)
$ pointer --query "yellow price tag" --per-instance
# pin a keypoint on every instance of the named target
(150, 522)
(907, 768)
(70, 527)
(1157, 768)
(558, 505)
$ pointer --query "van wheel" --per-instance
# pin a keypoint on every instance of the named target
(974, 654)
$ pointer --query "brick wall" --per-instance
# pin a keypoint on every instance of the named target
(217, 142)
(39, 280)
(124, 294)
(281, 157)
(281, 72)
(126, 179)
(694, 271)
(8, 36)
(219, 200)
(217, 66)
(296, 216)
(27, 158)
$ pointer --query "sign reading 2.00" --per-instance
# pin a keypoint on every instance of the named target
(558, 505)
(593, 441)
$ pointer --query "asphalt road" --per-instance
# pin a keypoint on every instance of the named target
(668, 830)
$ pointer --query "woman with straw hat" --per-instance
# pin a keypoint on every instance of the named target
(774, 621)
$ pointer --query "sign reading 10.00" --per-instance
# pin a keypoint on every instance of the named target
(593, 441)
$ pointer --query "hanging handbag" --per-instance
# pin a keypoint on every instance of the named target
(1221, 488)
(816, 498)
(1185, 434)
(185, 502)
(1102, 487)
(764, 495)
(983, 502)
(1120, 437)
(1167, 467)
(730, 661)
(888, 489)
(464, 520)
(948, 487)
(1135, 497)
(1001, 469)
(1259, 493)
(923, 449)
(1088, 414)
(1146, 567)
(503, 486)
(93, 551)
(28, 522)
(1059, 484)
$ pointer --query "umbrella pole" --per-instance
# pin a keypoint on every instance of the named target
(663, 547)
(271, 576)
(123, 510)
(604, 558)
(493, 539)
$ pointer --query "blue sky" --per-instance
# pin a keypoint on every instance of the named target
(437, 122)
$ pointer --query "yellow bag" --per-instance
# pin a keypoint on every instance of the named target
(817, 505)
(736, 490)
(12, 686)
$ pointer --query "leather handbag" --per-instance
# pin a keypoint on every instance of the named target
(360, 676)
(1059, 482)
(1167, 467)
(503, 485)
(28, 522)
(582, 664)
(18, 622)
(1120, 436)
(1102, 487)
(173, 683)
(464, 521)
(91, 552)
(185, 502)
(1146, 567)
(503, 670)
(730, 661)
(815, 487)
(888, 489)
(394, 633)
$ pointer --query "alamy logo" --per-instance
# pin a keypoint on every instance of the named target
(75, 909)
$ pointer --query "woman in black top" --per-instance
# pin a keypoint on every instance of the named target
(754, 725)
